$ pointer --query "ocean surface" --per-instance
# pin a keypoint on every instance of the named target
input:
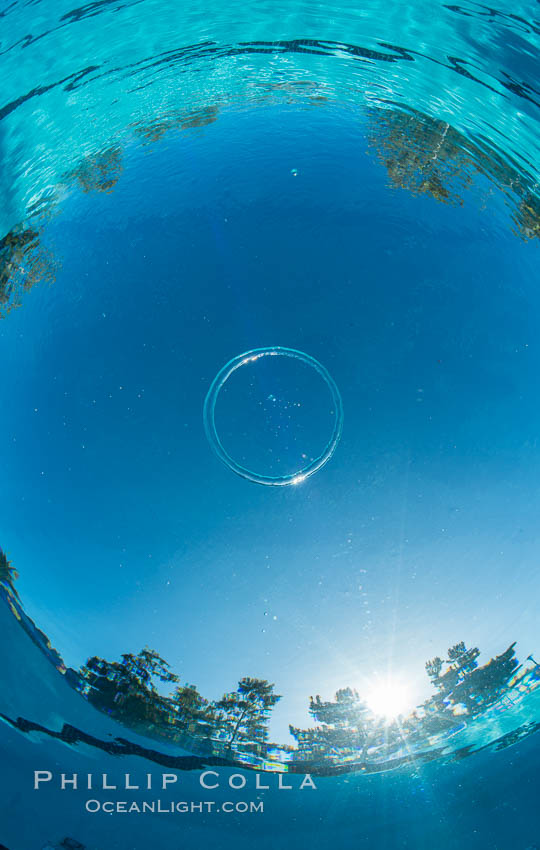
(269, 315)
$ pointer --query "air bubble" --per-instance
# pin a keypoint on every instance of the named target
(209, 410)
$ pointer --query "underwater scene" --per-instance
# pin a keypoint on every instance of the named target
(270, 431)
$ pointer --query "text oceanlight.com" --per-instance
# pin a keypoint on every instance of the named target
(184, 807)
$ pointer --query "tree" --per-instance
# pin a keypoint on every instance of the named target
(193, 714)
(426, 156)
(8, 574)
(23, 262)
(462, 659)
(160, 125)
(422, 155)
(464, 683)
(347, 709)
(434, 667)
(98, 172)
(482, 686)
(244, 713)
(527, 216)
(148, 665)
(456, 651)
(461, 662)
(126, 688)
(346, 725)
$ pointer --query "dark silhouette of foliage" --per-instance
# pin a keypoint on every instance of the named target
(462, 658)
(461, 662)
(324, 741)
(192, 714)
(434, 667)
(527, 216)
(344, 725)
(155, 131)
(480, 687)
(464, 684)
(127, 689)
(348, 731)
(243, 714)
(99, 172)
(421, 155)
(426, 156)
(455, 652)
(23, 263)
(346, 710)
(8, 573)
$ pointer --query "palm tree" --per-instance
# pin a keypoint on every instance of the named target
(7, 572)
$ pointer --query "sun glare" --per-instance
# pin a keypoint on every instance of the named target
(389, 698)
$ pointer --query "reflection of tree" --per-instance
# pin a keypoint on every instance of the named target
(475, 688)
(343, 725)
(192, 714)
(296, 92)
(527, 216)
(8, 573)
(23, 263)
(434, 667)
(155, 130)
(244, 713)
(99, 172)
(347, 730)
(127, 688)
(199, 118)
(426, 156)
(421, 155)
(461, 662)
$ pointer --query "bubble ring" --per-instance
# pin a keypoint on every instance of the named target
(210, 424)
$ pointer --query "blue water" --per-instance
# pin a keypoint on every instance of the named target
(184, 184)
